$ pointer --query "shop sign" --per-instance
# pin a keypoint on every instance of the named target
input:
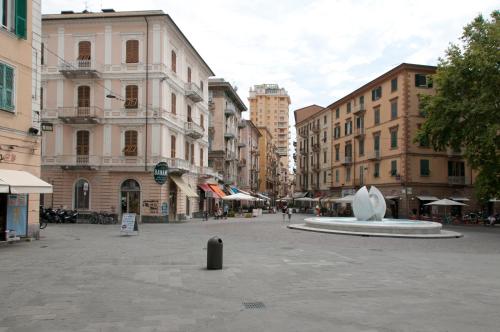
(129, 225)
(160, 172)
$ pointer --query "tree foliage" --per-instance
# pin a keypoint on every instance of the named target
(465, 111)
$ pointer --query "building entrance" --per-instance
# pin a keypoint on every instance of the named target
(131, 197)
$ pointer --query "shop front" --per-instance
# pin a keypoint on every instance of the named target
(15, 188)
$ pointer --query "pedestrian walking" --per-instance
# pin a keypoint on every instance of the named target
(289, 212)
(226, 210)
(283, 209)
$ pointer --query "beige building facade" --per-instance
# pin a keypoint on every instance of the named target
(268, 164)
(370, 135)
(269, 107)
(225, 125)
(124, 91)
(248, 167)
(20, 30)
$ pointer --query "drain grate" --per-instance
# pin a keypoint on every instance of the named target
(254, 305)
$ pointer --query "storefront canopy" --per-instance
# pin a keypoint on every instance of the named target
(183, 186)
(239, 197)
(428, 198)
(21, 182)
(345, 199)
(217, 190)
(460, 199)
(264, 197)
(300, 194)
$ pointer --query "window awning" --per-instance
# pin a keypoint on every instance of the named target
(215, 188)
(183, 186)
(21, 182)
(300, 194)
(460, 199)
(428, 198)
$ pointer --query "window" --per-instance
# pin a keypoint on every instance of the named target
(324, 119)
(423, 81)
(361, 147)
(201, 157)
(173, 60)
(83, 100)
(324, 177)
(201, 86)
(394, 138)
(376, 171)
(132, 51)
(173, 106)
(424, 142)
(394, 84)
(13, 16)
(189, 117)
(130, 149)
(362, 102)
(192, 154)
(337, 152)
(348, 128)
(336, 132)
(42, 54)
(456, 168)
(348, 174)
(348, 150)
(84, 51)
(324, 136)
(186, 150)
(394, 109)
(82, 143)
(82, 195)
(189, 75)
(336, 175)
(6, 87)
(202, 121)
(324, 156)
(376, 143)
(349, 107)
(337, 113)
(41, 98)
(377, 93)
(424, 167)
(131, 96)
(172, 146)
(394, 167)
(376, 115)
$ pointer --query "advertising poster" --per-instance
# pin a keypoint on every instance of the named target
(17, 214)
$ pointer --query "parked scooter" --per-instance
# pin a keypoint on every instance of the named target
(67, 216)
(49, 215)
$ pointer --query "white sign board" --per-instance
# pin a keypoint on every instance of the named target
(128, 224)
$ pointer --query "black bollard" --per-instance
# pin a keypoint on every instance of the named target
(214, 254)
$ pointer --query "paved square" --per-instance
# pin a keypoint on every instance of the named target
(89, 278)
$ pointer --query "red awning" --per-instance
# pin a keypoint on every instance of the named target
(216, 190)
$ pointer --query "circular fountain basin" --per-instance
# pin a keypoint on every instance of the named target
(386, 227)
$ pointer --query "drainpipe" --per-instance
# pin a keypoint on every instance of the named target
(147, 95)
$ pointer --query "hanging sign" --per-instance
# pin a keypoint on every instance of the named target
(160, 172)
(129, 225)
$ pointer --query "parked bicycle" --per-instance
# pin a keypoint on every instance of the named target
(102, 218)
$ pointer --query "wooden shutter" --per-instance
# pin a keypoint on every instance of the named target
(6, 87)
(131, 96)
(174, 104)
(172, 146)
(186, 151)
(189, 118)
(189, 75)
(174, 62)
(202, 121)
(130, 143)
(192, 154)
(21, 13)
(132, 51)
(82, 143)
(84, 48)
(201, 157)
(83, 96)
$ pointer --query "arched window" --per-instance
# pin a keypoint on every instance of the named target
(131, 96)
(173, 59)
(82, 195)
(132, 51)
(130, 149)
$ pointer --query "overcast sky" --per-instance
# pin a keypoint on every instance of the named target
(319, 50)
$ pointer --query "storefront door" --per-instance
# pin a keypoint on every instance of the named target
(130, 197)
(172, 201)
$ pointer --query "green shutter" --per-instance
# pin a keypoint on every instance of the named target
(2, 89)
(9, 87)
(21, 13)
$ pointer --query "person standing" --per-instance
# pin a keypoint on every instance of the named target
(226, 210)
(283, 209)
(289, 212)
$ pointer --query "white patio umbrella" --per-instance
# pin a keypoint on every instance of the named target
(345, 199)
(305, 199)
(239, 197)
(445, 202)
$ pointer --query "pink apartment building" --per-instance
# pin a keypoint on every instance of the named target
(124, 91)
(248, 165)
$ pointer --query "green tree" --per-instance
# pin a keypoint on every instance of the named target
(465, 111)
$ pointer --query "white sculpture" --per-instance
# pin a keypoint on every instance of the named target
(369, 205)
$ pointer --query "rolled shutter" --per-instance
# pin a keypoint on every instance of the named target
(21, 13)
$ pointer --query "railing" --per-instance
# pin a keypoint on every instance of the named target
(374, 155)
(193, 130)
(316, 147)
(347, 160)
(282, 151)
(242, 124)
(456, 180)
(211, 172)
(79, 112)
(80, 68)
(71, 160)
(316, 129)
(230, 155)
(361, 108)
(359, 131)
(193, 92)
(229, 111)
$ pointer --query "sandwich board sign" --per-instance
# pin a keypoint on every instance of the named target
(129, 225)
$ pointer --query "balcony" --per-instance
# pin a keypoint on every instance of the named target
(282, 151)
(209, 171)
(193, 92)
(73, 162)
(229, 135)
(359, 132)
(316, 168)
(242, 145)
(347, 160)
(230, 156)
(178, 166)
(360, 109)
(316, 147)
(193, 130)
(242, 124)
(78, 69)
(452, 153)
(230, 111)
(374, 155)
(303, 133)
(79, 115)
(316, 129)
(456, 180)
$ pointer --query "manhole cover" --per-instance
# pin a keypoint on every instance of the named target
(254, 305)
